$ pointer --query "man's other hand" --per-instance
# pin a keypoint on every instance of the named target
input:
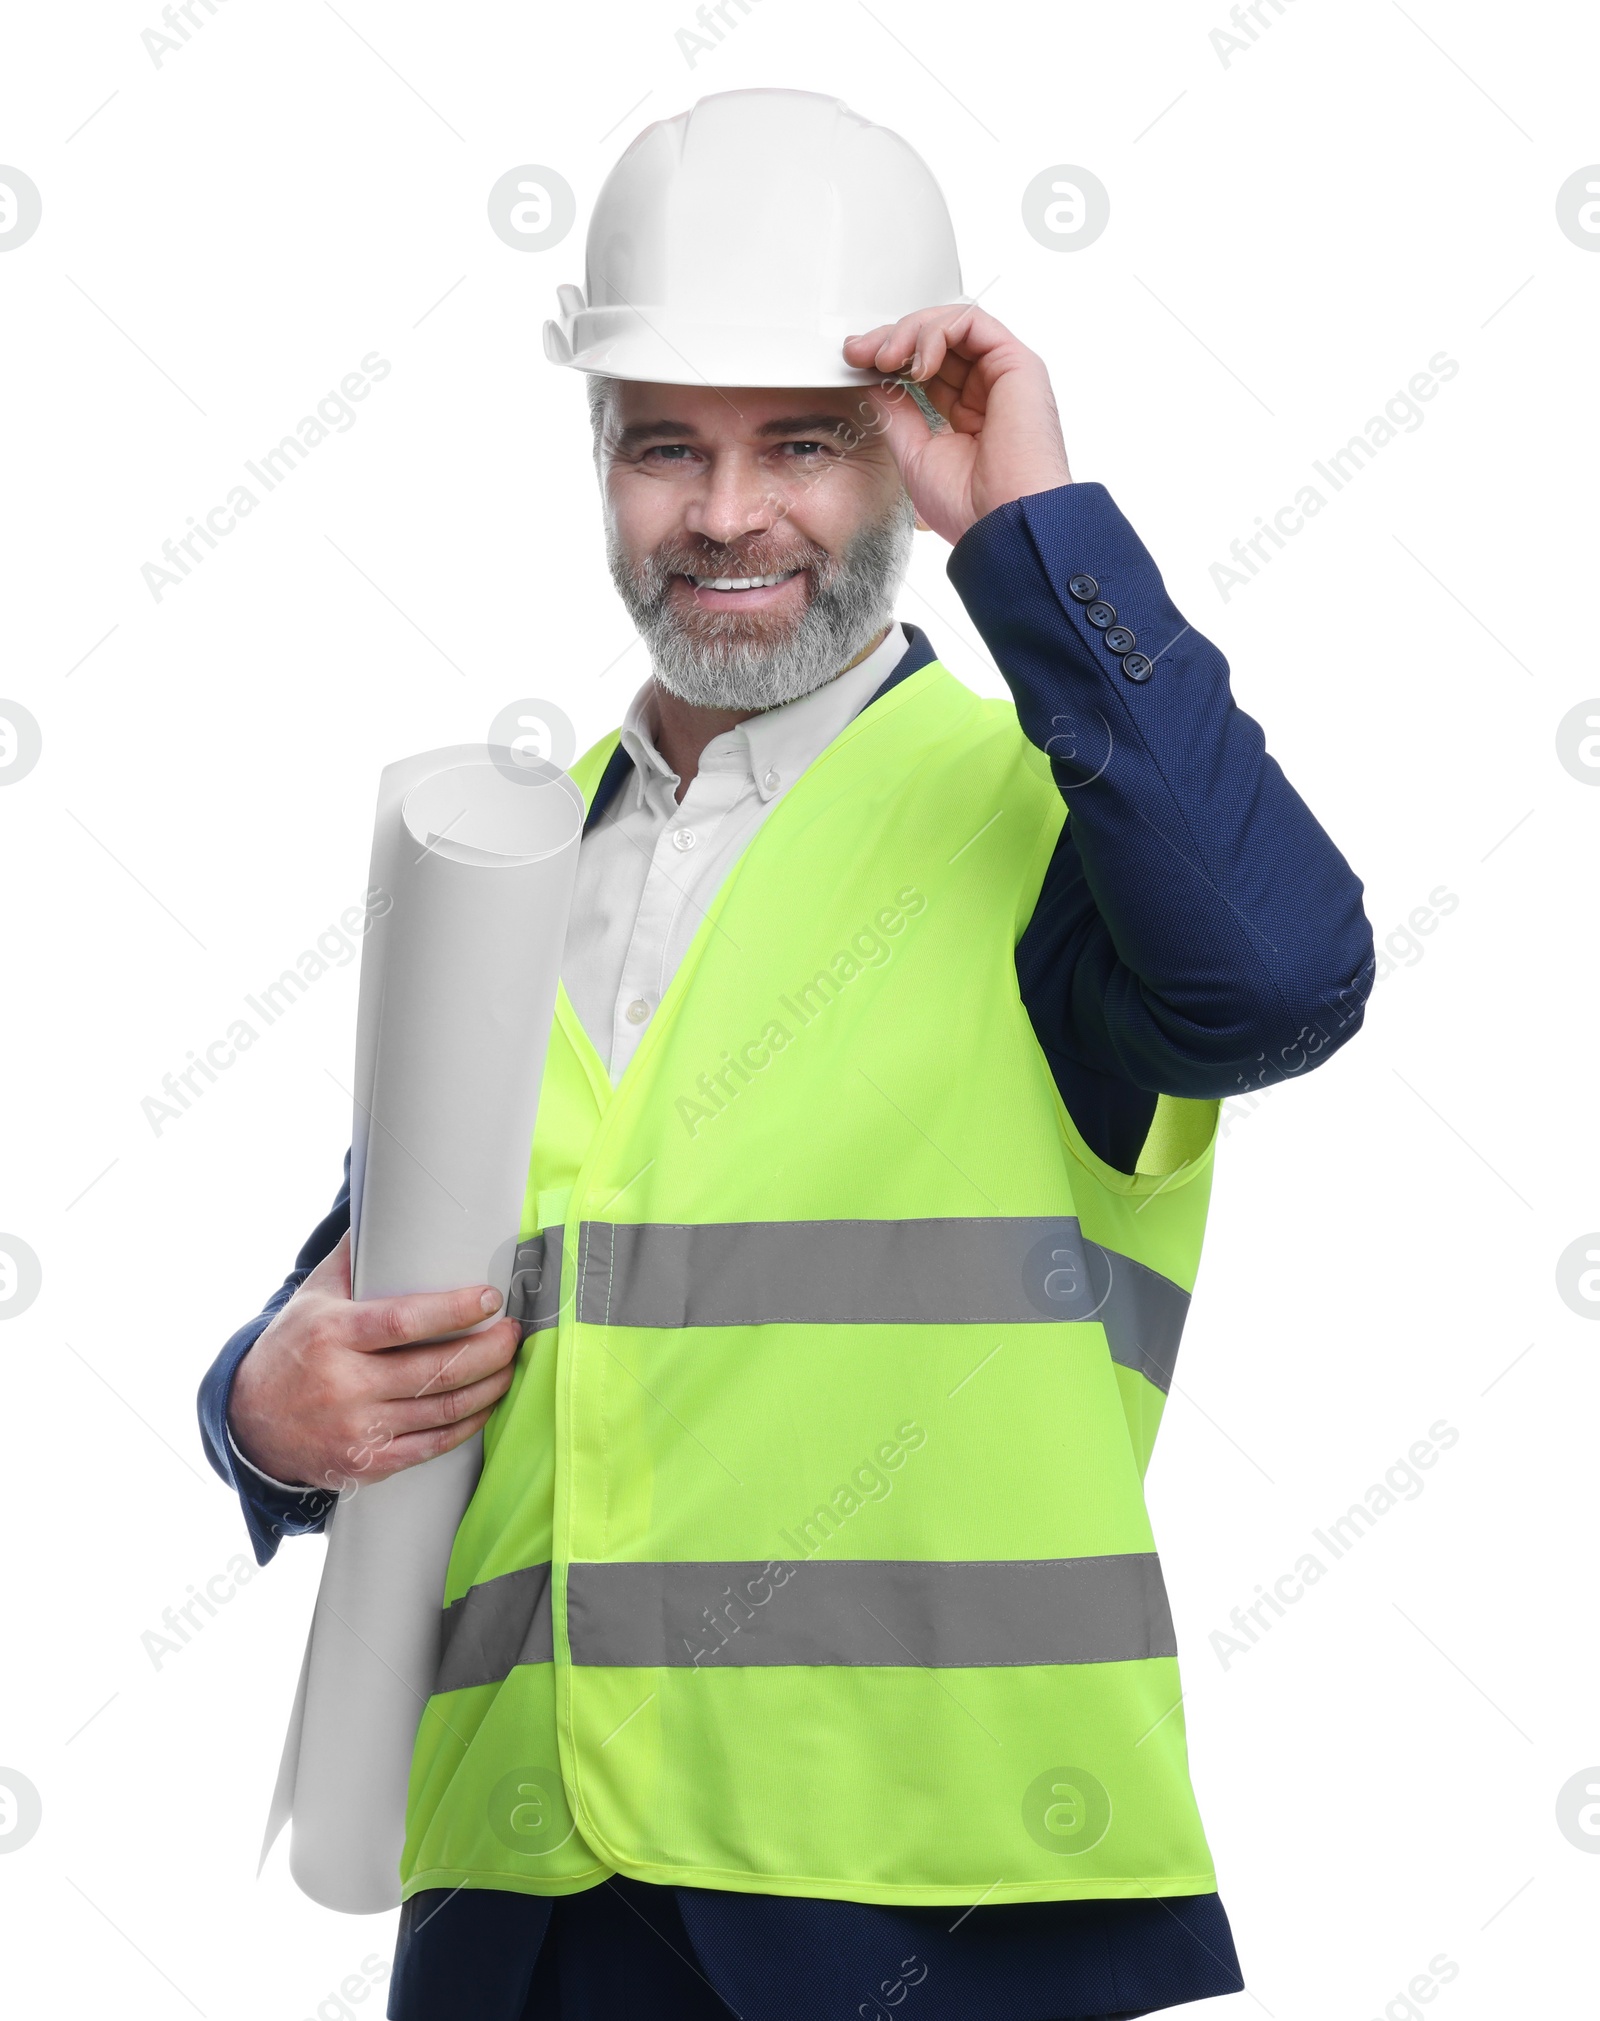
(337, 1390)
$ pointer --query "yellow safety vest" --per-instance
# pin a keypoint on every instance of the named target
(810, 1554)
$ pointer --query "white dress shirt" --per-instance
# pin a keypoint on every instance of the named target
(650, 866)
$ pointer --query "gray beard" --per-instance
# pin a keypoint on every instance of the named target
(721, 660)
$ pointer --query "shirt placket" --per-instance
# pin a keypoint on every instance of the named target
(677, 884)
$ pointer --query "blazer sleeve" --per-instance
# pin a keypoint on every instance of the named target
(1198, 932)
(272, 1509)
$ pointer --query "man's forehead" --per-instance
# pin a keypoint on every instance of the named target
(734, 413)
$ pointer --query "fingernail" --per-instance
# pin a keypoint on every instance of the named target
(489, 1300)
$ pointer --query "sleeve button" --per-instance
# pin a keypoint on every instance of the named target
(1137, 667)
(1120, 640)
(1101, 614)
(1083, 587)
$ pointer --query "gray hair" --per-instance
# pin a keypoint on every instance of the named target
(598, 388)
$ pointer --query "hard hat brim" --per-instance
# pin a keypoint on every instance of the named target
(668, 352)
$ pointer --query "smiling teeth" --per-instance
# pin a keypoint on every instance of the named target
(745, 581)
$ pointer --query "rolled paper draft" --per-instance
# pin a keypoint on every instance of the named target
(478, 853)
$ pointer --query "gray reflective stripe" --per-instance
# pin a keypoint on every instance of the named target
(494, 1627)
(535, 1295)
(993, 1269)
(888, 1613)
(1142, 1313)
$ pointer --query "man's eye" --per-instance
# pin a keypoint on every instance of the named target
(808, 449)
(670, 452)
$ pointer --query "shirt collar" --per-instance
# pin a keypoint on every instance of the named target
(775, 746)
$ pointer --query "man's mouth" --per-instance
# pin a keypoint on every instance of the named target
(744, 592)
(744, 581)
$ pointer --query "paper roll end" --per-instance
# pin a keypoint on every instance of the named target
(341, 1884)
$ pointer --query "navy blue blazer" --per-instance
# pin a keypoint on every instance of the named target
(1197, 933)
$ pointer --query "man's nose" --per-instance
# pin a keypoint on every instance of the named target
(734, 499)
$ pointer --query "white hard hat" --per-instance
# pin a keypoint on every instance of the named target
(740, 243)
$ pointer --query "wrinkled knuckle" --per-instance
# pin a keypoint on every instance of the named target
(394, 1317)
(443, 1376)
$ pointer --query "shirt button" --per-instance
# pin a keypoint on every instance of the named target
(637, 1011)
(683, 838)
(771, 780)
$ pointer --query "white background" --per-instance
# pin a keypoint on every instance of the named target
(1294, 233)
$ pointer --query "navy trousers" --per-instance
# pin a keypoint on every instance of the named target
(628, 1951)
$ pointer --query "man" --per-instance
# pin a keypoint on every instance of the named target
(805, 1650)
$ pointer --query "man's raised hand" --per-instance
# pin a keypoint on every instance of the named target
(1004, 435)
